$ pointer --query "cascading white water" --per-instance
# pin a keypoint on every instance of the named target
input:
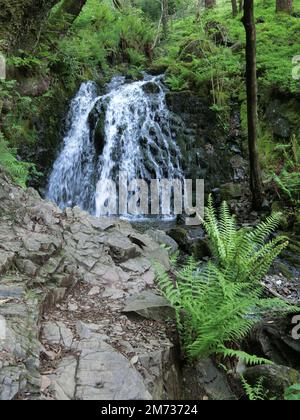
(137, 140)
(71, 181)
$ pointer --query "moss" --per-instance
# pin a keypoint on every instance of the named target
(20, 20)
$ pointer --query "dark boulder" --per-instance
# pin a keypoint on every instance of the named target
(151, 88)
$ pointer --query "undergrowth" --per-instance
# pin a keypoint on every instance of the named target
(218, 303)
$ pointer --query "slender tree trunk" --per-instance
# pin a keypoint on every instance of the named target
(165, 16)
(252, 108)
(234, 8)
(209, 4)
(286, 6)
(241, 5)
(198, 10)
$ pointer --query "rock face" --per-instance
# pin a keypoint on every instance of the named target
(68, 275)
(207, 153)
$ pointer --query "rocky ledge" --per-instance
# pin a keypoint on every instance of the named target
(79, 315)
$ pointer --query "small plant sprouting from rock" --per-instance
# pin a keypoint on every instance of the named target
(256, 392)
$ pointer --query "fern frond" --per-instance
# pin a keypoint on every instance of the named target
(248, 358)
(254, 393)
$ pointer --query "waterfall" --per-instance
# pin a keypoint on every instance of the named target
(71, 180)
(136, 139)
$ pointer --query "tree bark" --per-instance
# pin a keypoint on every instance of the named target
(252, 107)
(209, 4)
(241, 5)
(165, 16)
(198, 10)
(234, 8)
(286, 6)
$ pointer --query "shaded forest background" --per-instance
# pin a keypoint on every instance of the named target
(52, 46)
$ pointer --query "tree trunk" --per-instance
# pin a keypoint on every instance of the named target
(241, 5)
(198, 10)
(234, 8)
(165, 16)
(252, 108)
(209, 4)
(284, 6)
(21, 21)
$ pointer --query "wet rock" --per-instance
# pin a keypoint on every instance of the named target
(276, 378)
(151, 88)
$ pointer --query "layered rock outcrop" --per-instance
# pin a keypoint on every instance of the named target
(66, 279)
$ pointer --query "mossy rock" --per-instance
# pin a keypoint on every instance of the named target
(200, 249)
(232, 191)
(180, 236)
(276, 379)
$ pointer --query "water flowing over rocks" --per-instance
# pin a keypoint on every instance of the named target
(66, 279)
(122, 134)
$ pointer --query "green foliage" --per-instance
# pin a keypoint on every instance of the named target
(220, 302)
(256, 392)
(242, 254)
(288, 180)
(103, 34)
(292, 393)
(18, 170)
(99, 41)
(289, 184)
(220, 69)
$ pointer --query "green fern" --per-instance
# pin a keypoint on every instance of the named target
(242, 254)
(256, 392)
(18, 170)
(220, 302)
(248, 359)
